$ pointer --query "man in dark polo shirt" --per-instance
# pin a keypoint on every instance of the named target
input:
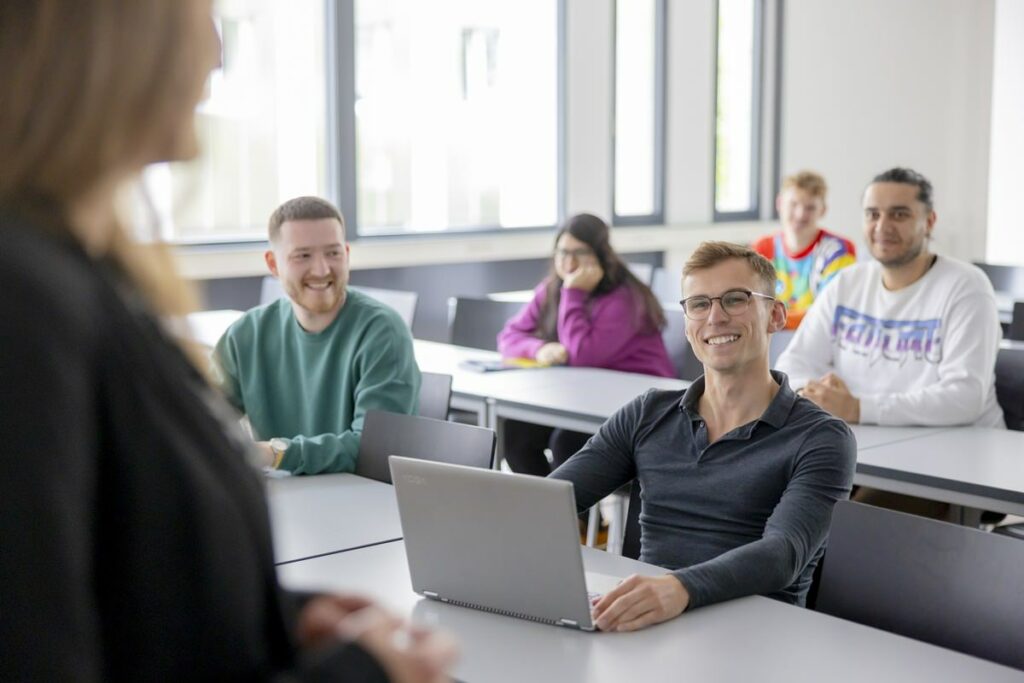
(738, 473)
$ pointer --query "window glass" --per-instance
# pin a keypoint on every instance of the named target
(736, 121)
(456, 114)
(261, 130)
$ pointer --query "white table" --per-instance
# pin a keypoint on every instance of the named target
(330, 513)
(873, 436)
(970, 466)
(751, 639)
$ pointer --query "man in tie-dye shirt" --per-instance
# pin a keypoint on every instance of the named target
(806, 257)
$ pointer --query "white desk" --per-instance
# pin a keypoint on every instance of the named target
(970, 466)
(329, 513)
(752, 639)
(873, 436)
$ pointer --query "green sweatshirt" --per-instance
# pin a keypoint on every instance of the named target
(315, 389)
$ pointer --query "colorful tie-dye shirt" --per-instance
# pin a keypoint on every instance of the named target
(804, 274)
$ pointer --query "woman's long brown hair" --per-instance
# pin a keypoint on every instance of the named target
(86, 86)
(594, 232)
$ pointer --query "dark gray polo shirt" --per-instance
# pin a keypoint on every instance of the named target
(747, 514)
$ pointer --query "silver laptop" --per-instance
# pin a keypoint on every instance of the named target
(504, 543)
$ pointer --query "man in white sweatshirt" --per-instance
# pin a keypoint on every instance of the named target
(909, 338)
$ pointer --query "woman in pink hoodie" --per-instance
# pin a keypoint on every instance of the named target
(590, 311)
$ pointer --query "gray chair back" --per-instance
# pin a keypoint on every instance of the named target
(1016, 329)
(643, 271)
(270, 290)
(404, 303)
(949, 585)
(665, 288)
(411, 436)
(1010, 385)
(1008, 279)
(777, 343)
(435, 395)
(679, 351)
(476, 322)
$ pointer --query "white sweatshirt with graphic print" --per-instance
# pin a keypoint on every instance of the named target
(923, 355)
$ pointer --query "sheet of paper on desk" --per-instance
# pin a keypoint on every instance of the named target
(478, 365)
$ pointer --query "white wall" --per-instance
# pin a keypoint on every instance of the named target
(867, 84)
(871, 84)
(1006, 174)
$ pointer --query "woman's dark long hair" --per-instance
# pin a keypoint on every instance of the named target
(594, 232)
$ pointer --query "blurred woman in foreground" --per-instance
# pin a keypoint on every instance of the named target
(136, 543)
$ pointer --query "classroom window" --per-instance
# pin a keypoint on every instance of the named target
(737, 110)
(639, 98)
(456, 115)
(261, 130)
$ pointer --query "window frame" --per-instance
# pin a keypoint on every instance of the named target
(657, 216)
(756, 123)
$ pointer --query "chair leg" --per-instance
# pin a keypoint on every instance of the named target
(617, 523)
(593, 524)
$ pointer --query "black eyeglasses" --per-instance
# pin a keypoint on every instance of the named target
(734, 302)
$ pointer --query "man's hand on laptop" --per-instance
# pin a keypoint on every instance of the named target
(640, 601)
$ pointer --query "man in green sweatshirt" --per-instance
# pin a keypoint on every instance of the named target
(306, 368)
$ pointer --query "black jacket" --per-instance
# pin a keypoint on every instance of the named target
(134, 535)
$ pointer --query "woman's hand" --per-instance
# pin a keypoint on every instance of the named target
(552, 353)
(586, 277)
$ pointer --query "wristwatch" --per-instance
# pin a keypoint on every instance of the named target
(278, 446)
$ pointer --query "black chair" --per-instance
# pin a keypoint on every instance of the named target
(679, 351)
(476, 322)
(1016, 329)
(435, 395)
(411, 436)
(1010, 393)
(949, 585)
(1010, 385)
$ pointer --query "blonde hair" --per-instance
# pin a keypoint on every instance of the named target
(87, 86)
(710, 254)
(810, 182)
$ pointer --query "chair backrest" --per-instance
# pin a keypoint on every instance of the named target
(679, 351)
(777, 343)
(1016, 331)
(665, 289)
(270, 290)
(631, 534)
(643, 271)
(435, 395)
(404, 303)
(949, 585)
(476, 322)
(386, 434)
(1004, 278)
(1010, 386)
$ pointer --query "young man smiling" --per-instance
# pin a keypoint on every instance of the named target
(805, 255)
(908, 339)
(306, 368)
(738, 474)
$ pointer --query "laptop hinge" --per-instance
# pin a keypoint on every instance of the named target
(569, 622)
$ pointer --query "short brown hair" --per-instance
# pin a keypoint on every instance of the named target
(808, 181)
(302, 209)
(710, 254)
